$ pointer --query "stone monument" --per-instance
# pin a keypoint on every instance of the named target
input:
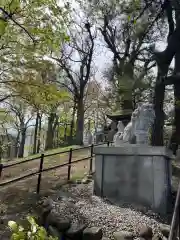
(134, 173)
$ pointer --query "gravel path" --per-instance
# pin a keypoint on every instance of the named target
(81, 206)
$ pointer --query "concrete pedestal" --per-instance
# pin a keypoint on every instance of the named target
(134, 174)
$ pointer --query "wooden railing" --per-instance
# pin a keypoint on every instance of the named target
(41, 169)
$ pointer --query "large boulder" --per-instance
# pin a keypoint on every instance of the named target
(123, 235)
(92, 233)
(54, 232)
(157, 237)
(165, 229)
(146, 232)
(43, 209)
(75, 232)
(58, 221)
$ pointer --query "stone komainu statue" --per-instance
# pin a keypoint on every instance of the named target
(137, 130)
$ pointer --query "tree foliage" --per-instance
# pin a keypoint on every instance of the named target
(37, 86)
(127, 28)
(29, 31)
(45, 32)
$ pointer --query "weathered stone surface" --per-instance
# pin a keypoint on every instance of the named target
(78, 181)
(156, 237)
(54, 219)
(47, 202)
(105, 238)
(45, 206)
(164, 238)
(86, 181)
(144, 190)
(92, 233)
(71, 181)
(146, 232)
(75, 232)
(54, 232)
(123, 235)
(165, 229)
(63, 195)
(89, 176)
(139, 238)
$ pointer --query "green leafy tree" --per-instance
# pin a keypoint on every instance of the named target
(31, 232)
(21, 119)
(29, 31)
(41, 92)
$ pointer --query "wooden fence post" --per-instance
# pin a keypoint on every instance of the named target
(69, 166)
(1, 168)
(40, 173)
(91, 159)
(179, 220)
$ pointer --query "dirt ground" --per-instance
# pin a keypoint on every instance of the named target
(19, 199)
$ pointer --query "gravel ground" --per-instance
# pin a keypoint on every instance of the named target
(82, 207)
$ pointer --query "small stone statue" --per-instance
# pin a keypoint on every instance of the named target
(128, 134)
(118, 136)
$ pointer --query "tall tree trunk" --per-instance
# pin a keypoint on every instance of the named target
(22, 143)
(175, 139)
(177, 100)
(158, 126)
(72, 122)
(80, 121)
(35, 134)
(1, 150)
(127, 99)
(65, 132)
(39, 134)
(49, 134)
(57, 135)
(52, 123)
(17, 144)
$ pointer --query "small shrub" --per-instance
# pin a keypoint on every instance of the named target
(31, 232)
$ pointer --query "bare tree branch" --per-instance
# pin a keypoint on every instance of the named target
(10, 16)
